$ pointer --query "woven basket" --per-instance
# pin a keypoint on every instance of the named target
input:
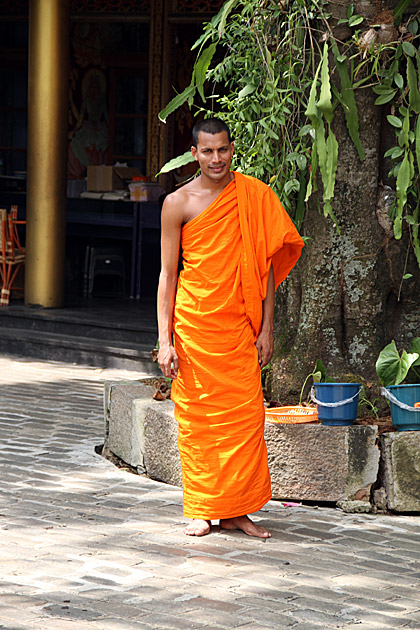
(291, 415)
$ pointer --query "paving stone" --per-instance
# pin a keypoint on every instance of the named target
(160, 620)
(121, 624)
(401, 461)
(316, 616)
(320, 605)
(272, 619)
(312, 625)
(85, 545)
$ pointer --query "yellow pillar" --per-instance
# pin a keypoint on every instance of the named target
(48, 91)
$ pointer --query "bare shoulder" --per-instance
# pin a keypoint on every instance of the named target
(173, 209)
(177, 203)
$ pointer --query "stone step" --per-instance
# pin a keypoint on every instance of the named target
(76, 349)
(82, 323)
(308, 462)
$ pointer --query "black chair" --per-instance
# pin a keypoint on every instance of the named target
(104, 263)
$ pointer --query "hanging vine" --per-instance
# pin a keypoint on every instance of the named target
(275, 74)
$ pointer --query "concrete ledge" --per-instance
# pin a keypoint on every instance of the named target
(156, 432)
(319, 463)
(121, 436)
(141, 431)
(401, 470)
(307, 462)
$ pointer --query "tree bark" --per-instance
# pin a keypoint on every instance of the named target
(346, 298)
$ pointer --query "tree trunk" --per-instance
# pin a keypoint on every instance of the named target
(346, 298)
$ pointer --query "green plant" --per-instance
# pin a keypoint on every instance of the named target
(318, 374)
(365, 403)
(267, 57)
(275, 74)
(393, 368)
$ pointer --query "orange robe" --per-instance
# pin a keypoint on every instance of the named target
(227, 252)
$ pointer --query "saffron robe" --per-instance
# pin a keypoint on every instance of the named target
(227, 253)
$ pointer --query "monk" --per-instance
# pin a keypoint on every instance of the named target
(216, 329)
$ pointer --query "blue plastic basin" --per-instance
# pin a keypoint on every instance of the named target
(342, 415)
(403, 419)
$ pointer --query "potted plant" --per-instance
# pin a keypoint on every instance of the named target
(393, 368)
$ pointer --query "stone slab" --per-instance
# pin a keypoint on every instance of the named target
(120, 436)
(156, 433)
(307, 462)
(401, 470)
(320, 463)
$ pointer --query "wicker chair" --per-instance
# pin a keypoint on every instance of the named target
(12, 254)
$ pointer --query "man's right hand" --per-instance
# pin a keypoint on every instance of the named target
(168, 361)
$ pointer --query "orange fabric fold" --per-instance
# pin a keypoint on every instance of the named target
(227, 253)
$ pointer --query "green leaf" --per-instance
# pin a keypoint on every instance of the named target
(407, 276)
(394, 152)
(412, 80)
(409, 49)
(414, 347)
(383, 88)
(207, 33)
(403, 182)
(177, 162)
(314, 166)
(176, 102)
(301, 162)
(399, 80)
(350, 11)
(405, 130)
(248, 89)
(292, 157)
(355, 20)
(385, 98)
(270, 132)
(413, 27)
(324, 103)
(417, 142)
(328, 212)
(398, 228)
(304, 130)
(350, 107)
(316, 376)
(332, 158)
(411, 221)
(223, 14)
(291, 186)
(391, 368)
(321, 369)
(201, 66)
(394, 121)
(401, 7)
(311, 111)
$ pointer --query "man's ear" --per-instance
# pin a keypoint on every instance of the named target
(194, 153)
(232, 147)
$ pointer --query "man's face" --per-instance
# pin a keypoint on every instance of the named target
(214, 154)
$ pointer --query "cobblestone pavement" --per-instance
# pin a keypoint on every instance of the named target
(86, 545)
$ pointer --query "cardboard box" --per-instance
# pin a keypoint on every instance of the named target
(145, 191)
(103, 178)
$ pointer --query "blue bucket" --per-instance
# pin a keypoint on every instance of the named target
(405, 417)
(336, 402)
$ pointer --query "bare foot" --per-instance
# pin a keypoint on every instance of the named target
(198, 527)
(245, 524)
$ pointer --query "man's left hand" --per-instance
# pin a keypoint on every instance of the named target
(265, 348)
